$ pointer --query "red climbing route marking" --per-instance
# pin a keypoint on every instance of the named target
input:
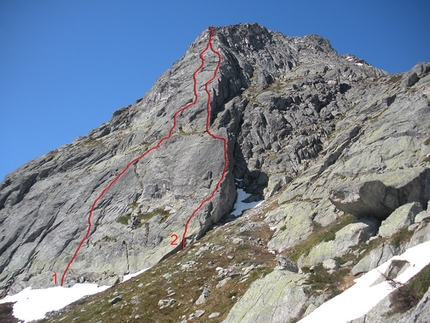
(196, 97)
(208, 119)
(175, 238)
(55, 278)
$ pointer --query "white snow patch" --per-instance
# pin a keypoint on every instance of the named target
(241, 206)
(359, 299)
(130, 276)
(359, 64)
(33, 304)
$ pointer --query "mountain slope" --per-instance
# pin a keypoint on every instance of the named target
(338, 149)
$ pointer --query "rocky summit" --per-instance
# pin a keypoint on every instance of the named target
(338, 150)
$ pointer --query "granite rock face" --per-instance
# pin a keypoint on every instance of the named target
(44, 204)
(321, 134)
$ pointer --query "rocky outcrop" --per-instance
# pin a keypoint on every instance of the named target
(335, 146)
(346, 238)
(279, 297)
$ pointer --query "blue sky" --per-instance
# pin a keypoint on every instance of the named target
(66, 66)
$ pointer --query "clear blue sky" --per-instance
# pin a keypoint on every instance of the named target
(67, 65)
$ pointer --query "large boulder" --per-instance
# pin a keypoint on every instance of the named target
(401, 218)
(370, 198)
(380, 197)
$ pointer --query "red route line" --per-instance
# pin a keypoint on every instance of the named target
(196, 97)
(208, 118)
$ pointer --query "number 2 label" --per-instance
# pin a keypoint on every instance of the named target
(175, 238)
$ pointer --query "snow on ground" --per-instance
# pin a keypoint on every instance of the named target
(241, 206)
(362, 297)
(33, 304)
(130, 276)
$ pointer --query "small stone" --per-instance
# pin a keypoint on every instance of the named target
(413, 226)
(331, 265)
(199, 313)
(214, 314)
(244, 278)
(223, 282)
(115, 300)
(286, 264)
(247, 270)
(166, 302)
(203, 296)
(237, 240)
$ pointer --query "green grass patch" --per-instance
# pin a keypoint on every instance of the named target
(345, 258)
(143, 218)
(123, 219)
(148, 216)
(246, 233)
(427, 142)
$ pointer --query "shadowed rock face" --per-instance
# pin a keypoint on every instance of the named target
(294, 113)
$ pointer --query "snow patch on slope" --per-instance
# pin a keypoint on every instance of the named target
(130, 276)
(33, 304)
(359, 299)
(240, 206)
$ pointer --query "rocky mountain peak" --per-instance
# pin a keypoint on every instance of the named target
(333, 145)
